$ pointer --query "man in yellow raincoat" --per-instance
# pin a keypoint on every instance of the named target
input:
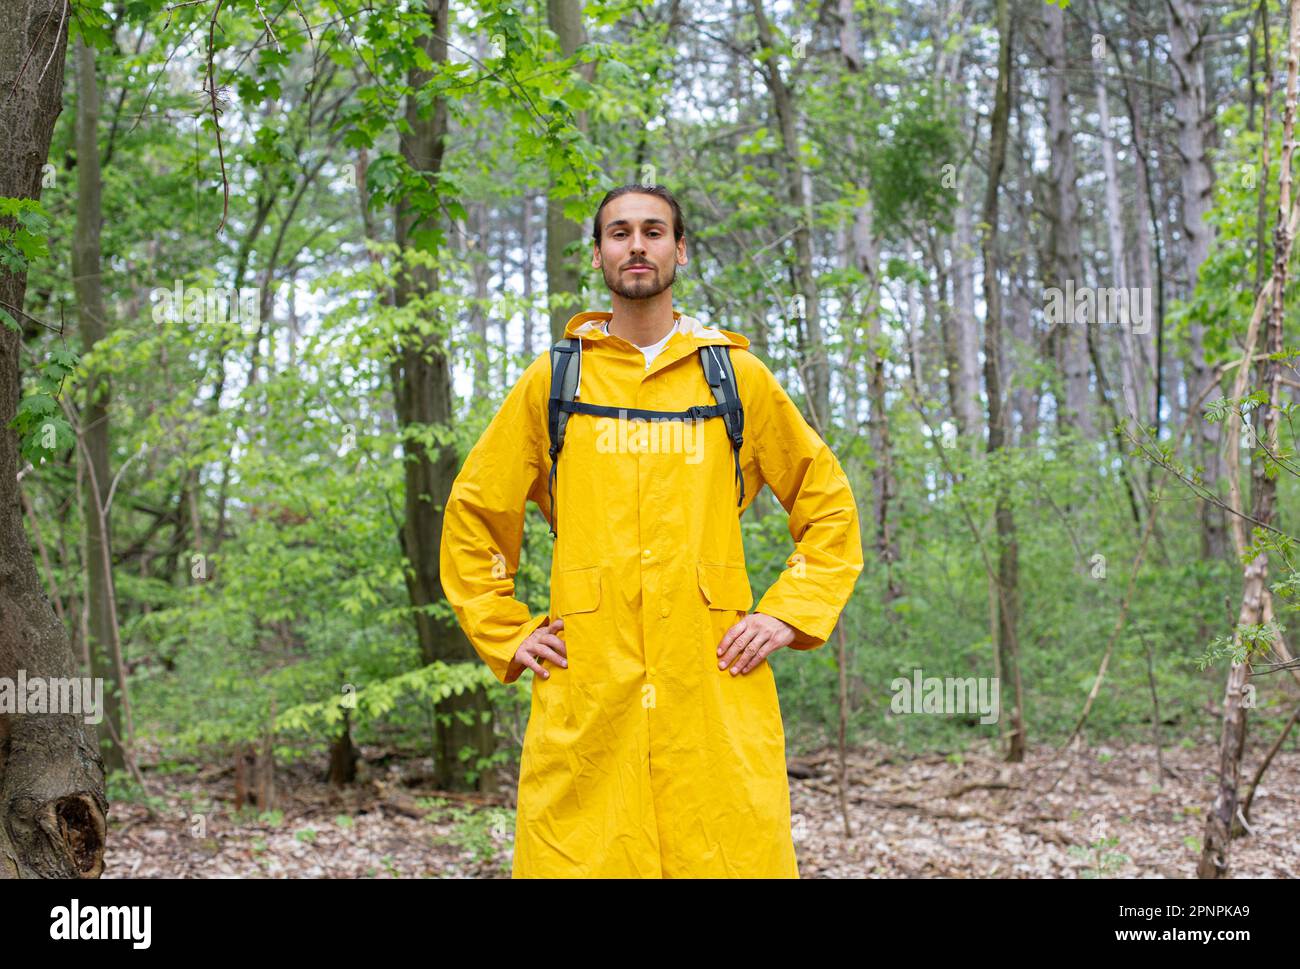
(654, 746)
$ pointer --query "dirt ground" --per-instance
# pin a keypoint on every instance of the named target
(1093, 812)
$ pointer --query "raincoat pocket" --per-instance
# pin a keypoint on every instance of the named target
(725, 586)
(727, 592)
(575, 590)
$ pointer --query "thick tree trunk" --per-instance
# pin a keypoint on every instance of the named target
(422, 387)
(52, 806)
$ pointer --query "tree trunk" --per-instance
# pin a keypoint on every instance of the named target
(1025, 394)
(1133, 389)
(52, 806)
(1005, 586)
(88, 285)
(1254, 605)
(422, 387)
(475, 252)
(963, 363)
(1187, 58)
(812, 348)
(562, 276)
(1067, 256)
(1143, 217)
(527, 233)
(866, 260)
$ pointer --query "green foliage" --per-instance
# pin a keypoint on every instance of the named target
(24, 226)
(1247, 641)
(1105, 862)
(120, 787)
(432, 683)
(43, 432)
(482, 833)
(1066, 516)
(917, 138)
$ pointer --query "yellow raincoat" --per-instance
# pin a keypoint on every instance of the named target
(642, 758)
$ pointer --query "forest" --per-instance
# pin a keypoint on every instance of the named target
(269, 268)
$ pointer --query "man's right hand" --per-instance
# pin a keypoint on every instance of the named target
(543, 644)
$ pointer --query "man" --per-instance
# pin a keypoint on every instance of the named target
(654, 745)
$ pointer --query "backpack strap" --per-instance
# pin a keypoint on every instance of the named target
(721, 376)
(566, 372)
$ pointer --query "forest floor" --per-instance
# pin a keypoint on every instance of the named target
(911, 816)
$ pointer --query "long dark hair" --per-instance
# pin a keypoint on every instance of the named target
(679, 228)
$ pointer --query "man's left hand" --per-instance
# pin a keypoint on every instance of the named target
(750, 642)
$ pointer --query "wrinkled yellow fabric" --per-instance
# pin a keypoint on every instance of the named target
(642, 758)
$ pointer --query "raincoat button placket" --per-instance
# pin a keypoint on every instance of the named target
(651, 583)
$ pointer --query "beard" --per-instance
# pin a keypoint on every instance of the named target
(639, 285)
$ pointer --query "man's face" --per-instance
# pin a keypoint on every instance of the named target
(637, 252)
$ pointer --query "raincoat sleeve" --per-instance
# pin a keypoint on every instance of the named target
(483, 526)
(807, 478)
